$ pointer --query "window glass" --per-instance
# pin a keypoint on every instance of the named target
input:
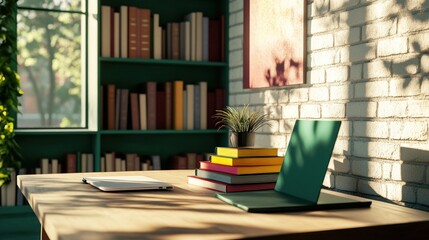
(51, 66)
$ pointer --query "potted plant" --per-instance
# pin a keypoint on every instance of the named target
(9, 90)
(242, 122)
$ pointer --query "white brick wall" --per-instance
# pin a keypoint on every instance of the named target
(367, 64)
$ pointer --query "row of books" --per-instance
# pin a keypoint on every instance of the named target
(132, 32)
(239, 169)
(169, 105)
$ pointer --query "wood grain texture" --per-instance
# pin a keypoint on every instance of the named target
(69, 209)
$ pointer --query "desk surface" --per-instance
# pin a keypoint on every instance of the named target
(69, 209)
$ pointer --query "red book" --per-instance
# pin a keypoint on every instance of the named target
(160, 110)
(71, 163)
(151, 105)
(111, 106)
(214, 40)
(168, 105)
(135, 113)
(239, 170)
(225, 187)
(132, 32)
(144, 33)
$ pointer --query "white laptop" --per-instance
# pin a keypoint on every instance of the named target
(126, 183)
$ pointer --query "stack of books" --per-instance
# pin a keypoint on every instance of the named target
(239, 169)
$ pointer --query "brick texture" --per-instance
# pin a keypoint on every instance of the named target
(367, 65)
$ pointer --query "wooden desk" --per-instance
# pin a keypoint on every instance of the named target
(69, 209)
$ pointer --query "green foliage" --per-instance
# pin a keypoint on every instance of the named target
(9, 89)
(240, 120)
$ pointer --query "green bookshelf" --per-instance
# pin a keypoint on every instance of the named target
(130, 73)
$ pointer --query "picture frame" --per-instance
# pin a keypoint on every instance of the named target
(274, 44)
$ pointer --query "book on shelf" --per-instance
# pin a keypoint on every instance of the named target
(106, 15)
(203, 105)
(132, 32)
(124, 31)
(117, 108)
(220, 97)
(151, 104)
(185, 40)
(238, 170)
(83, 166)
(168, 105)
(225, 187)
(144, 33)
(143, 111)
(116, 35)
(20, 199)
(71, 162)
(191, 18)
(236, 179)
(111, 106)
(178, 105)
(123, 109)
(196, 105)
(205, 39)
(175, 40)
(246, 152)
(135, 111)
(160, 110)
(189, 102)
(157, 37)
(246, 161)
(199, 36)
(211, 110)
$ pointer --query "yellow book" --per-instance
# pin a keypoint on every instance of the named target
(246, 161)
(246, 152)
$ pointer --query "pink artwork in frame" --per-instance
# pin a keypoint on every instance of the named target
(274, 43)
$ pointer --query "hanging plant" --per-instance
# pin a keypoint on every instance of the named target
(9, 90)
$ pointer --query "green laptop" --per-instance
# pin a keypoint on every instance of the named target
(301, 176)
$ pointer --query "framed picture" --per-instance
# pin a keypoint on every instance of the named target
(274, 43)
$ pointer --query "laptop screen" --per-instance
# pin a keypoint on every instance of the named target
(307, 158)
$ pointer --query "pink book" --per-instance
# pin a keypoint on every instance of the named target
(224, 187)
(239, 170)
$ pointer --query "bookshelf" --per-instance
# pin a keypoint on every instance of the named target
(130, 73)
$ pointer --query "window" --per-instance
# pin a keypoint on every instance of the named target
(52, 63)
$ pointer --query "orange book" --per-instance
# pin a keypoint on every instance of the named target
(178, 105)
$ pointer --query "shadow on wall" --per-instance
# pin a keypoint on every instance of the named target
(382, 44)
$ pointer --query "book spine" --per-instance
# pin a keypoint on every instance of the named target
(190, 92)
(116, 35)
(175, 41)
(105, 30)
(124, 31)
(168, 105)
(203, 105)
(178, 105)
(151, 105)
(132, 32)
(111, 106)
(71, 163)
(143, 111)
(124, 109)
(145, 34)
(160, 110)
(135, 113)
(197, 107)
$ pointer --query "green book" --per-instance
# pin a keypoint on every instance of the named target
(301, 176)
